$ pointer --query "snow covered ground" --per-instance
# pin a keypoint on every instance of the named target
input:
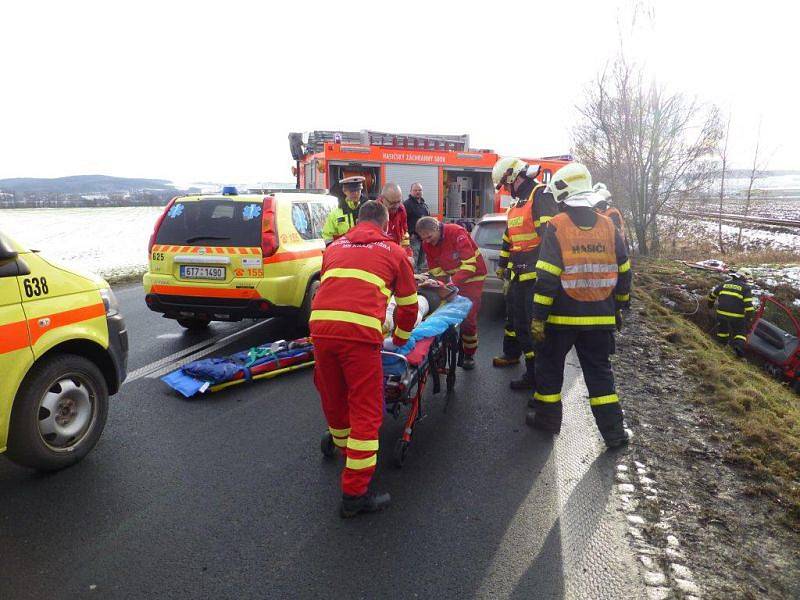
(111, 242)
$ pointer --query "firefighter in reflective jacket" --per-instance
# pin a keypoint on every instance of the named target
(453, 255)
(343, 218)
(605, 208)
(360, 272)
(583, 280)
(734, 299)
(526, 220)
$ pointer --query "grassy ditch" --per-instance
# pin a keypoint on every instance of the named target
(763, 412)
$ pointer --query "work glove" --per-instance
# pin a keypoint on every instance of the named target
(537, 331)
(618, 316)
(500, 272)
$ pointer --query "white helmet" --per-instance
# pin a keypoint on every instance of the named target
(572, 185)
(744, 273)
(506, 170)
(602, 192)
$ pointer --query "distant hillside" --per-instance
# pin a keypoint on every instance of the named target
(83, 184)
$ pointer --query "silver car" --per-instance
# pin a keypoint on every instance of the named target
(488, 235)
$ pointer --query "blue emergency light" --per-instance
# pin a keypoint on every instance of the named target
(229, 190)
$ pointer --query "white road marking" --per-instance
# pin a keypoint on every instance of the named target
(169, 336)
(187, 355)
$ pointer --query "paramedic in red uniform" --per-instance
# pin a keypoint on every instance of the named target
(392, 198)
(360, 272)
(452, 254)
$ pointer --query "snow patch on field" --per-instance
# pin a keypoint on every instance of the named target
(111, 242)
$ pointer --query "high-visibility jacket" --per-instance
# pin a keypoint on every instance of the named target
(361, 271)
(583, 272)
(340, 220)
(613, 213)
(734, 298)
(455, 256)
(398, 229)
(526, 221)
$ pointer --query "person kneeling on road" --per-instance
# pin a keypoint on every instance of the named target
(583, 281)
(360, 271)
(453, 255)
(734, 299)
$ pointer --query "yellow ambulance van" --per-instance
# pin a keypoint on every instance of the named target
(228, 257)
(63, 351)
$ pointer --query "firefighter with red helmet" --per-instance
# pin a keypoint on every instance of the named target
(361, 270)
(534, 206)
(453, 255)
(392, 198)
(583, 281)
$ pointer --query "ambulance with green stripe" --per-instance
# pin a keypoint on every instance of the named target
(63, 351)
(227, 257)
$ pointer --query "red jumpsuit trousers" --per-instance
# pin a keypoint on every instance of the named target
(469, 327)
(349, 378)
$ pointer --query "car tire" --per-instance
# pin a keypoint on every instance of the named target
(59, 413)
(305, 310)
(194, 324)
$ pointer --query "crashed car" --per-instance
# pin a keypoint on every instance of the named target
(775, 337)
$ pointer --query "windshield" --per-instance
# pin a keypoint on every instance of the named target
(489, 234)
(213, 222)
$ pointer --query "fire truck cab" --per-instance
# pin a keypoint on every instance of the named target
(456, 179)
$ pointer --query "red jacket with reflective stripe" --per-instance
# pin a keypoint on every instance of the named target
(360, 272)
(456, 254)
(398, 229)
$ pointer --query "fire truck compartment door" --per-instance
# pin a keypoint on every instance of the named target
(405, 175)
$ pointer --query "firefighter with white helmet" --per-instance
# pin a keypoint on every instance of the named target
(533, 207)
(605, 208)
(583, 280)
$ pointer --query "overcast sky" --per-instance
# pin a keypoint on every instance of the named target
(208, 91)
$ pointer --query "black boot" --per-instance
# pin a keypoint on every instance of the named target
(468, 363)
(368, 503)
(531, 420)
(617, 441)
(528, 380)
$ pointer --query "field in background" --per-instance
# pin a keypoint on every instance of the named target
(111, 242)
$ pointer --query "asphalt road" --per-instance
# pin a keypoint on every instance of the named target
(227, 496)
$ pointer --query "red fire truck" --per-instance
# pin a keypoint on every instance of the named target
(456, 179)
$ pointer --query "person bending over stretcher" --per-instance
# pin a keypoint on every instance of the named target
(452, 255)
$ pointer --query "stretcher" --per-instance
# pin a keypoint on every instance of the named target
(433, 351)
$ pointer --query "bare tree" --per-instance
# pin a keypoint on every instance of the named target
(652, 146)
(754, 174)
(723, 153)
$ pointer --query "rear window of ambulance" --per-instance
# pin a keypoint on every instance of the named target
(212, 223)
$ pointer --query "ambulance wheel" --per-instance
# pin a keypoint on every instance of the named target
(58, 414)
(194, 324)
(400, 453)
(326, 445)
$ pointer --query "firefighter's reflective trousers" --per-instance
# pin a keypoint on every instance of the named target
(732, 330)
(469, 327)
(349, 378)
(594, 347)
(520, 309)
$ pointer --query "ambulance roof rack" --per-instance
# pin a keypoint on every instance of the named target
(365, 137)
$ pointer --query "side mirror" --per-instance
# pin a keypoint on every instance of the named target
(6, 251)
